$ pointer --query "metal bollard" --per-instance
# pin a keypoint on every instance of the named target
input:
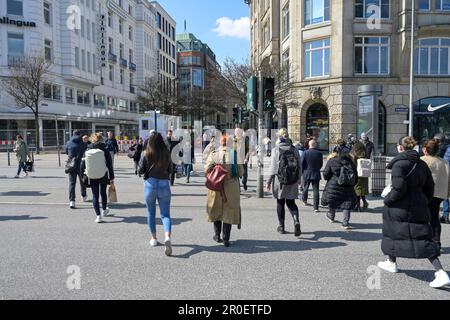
(9, 157)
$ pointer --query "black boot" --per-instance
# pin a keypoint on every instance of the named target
(217, 231)
(298, 231)
(226, 234)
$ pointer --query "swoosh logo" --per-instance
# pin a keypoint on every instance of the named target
(433, 109)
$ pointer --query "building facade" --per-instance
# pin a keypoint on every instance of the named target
(101, 51)
(199, 73)
(332, 47)
(166, 45)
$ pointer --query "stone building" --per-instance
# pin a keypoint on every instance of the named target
(334, 46)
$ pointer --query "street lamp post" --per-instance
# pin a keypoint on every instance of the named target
(411, 84)
(260, 189)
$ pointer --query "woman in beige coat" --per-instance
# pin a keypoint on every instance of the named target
(440, 171)
(220, 211)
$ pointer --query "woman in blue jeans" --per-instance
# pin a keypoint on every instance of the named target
(155, 165)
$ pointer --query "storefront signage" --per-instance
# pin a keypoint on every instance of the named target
(102, 45)
(402, 109)
(19, 23)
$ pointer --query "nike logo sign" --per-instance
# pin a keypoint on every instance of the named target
(433, 109)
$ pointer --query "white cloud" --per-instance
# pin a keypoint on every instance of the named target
(239, 28)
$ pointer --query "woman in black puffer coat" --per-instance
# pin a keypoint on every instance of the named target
(340, 197)
(407, 231)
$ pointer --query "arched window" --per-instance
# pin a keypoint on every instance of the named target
(317, 125)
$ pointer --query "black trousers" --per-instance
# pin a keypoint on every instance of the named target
(281, 211)
(245, 176)
(226, 230)
(99, 189)
(315, 185)
(434, 207)
(73, 176)
(173, 173)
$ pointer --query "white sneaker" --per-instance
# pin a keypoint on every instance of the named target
(388, 266)
(98, 219)
(154, 242)
(441, 280)
(106, 212)
(85, 199)
(25, 174)
(16, 177)
(72, 204)
(168, 244)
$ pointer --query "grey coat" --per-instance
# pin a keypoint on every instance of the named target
(289, 192)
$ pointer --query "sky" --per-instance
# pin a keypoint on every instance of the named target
(223, 25)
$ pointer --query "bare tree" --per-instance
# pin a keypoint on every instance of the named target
(25, 84)
(152, 97)
(236, 75)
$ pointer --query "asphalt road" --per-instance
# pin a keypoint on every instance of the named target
(44, 244)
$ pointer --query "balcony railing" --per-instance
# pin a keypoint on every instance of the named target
(133, 66)
(112, 57)
(132, 89)
(15, 60)
(123, 63)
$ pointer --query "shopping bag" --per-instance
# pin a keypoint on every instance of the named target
(112, 194)
(29, 166)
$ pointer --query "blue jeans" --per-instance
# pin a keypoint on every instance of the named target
(187, 168)
(158, 189)
(20, 167)
(446, 208)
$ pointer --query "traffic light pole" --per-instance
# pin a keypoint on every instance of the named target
(260, 186)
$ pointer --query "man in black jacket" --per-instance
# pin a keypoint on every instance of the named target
(172, 143)
(112, 146)
(311, 166)
(75, 148)
(368, 145)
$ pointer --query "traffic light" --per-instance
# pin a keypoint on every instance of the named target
(236, 114)
(252, 94)
(269, 94)
(245, 115)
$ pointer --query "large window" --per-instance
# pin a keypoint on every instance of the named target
(69, 95)
(443, 5)
(14, 7)
(47, 13)
(197, 78)
(286, 67)
(266, 34)
(52, 92)
(432, 57)
(317, 58)
(372, 55)
(286, 23)
(48, 50)
(317, 11)
(372, 9)
(424, 5)
(15, 44)
(83, 97)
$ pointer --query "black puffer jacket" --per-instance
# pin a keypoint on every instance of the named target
(339, 197)
(406, 218)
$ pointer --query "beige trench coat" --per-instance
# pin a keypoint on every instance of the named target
(217, 209)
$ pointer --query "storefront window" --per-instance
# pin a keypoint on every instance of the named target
(431, 116)
(317, 125)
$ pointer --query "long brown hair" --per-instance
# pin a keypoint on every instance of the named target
(157, 152)
(358, 150)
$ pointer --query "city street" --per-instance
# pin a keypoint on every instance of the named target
(41, 238)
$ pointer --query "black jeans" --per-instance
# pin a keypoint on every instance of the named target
(226, 230)
(245, 176)
(434, 207)
(293, 209)
(172, 174)
(99, 189)
(73, 176)
(315, 185)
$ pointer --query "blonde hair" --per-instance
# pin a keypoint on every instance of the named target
(96, 137)
(283, 133)
(408, 143)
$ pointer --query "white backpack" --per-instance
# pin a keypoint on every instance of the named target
(364, 168)
(95, 164)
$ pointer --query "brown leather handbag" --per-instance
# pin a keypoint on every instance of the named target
(215, 180)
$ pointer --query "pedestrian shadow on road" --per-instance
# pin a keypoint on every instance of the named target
(422, 275)
(143, 220)
(23, 194)
(345, 235)
(257, 247)
(45, 177)
(21, 218)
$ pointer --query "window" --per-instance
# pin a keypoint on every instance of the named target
(88, 29)
(266, 34)
(122, 76)
(317, 58)
(83, 97)
(111, 45)
(130, 33)
(121, 3)
(286, 67)
(47, 13)
(120, 26)
(89, 62)
(372, 55)
(112, 102)
(82, 26)
(123, 105)
(48, 50)
(99, 100)
(52, 92)
(93, 32)
(266, 5)
(443, 5)
(286, 24)
(111, 73)
(424, 5)
(158, 20)
(372, 9)
(77, 57)
(14, 7)
(159, 41)
(94, 63)
(122, 51)
(432, 57)
(110, 19)
(130, 56)
(15, 44)
(130, 10)
(69, 95)
(317, 11)
(83, 60)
